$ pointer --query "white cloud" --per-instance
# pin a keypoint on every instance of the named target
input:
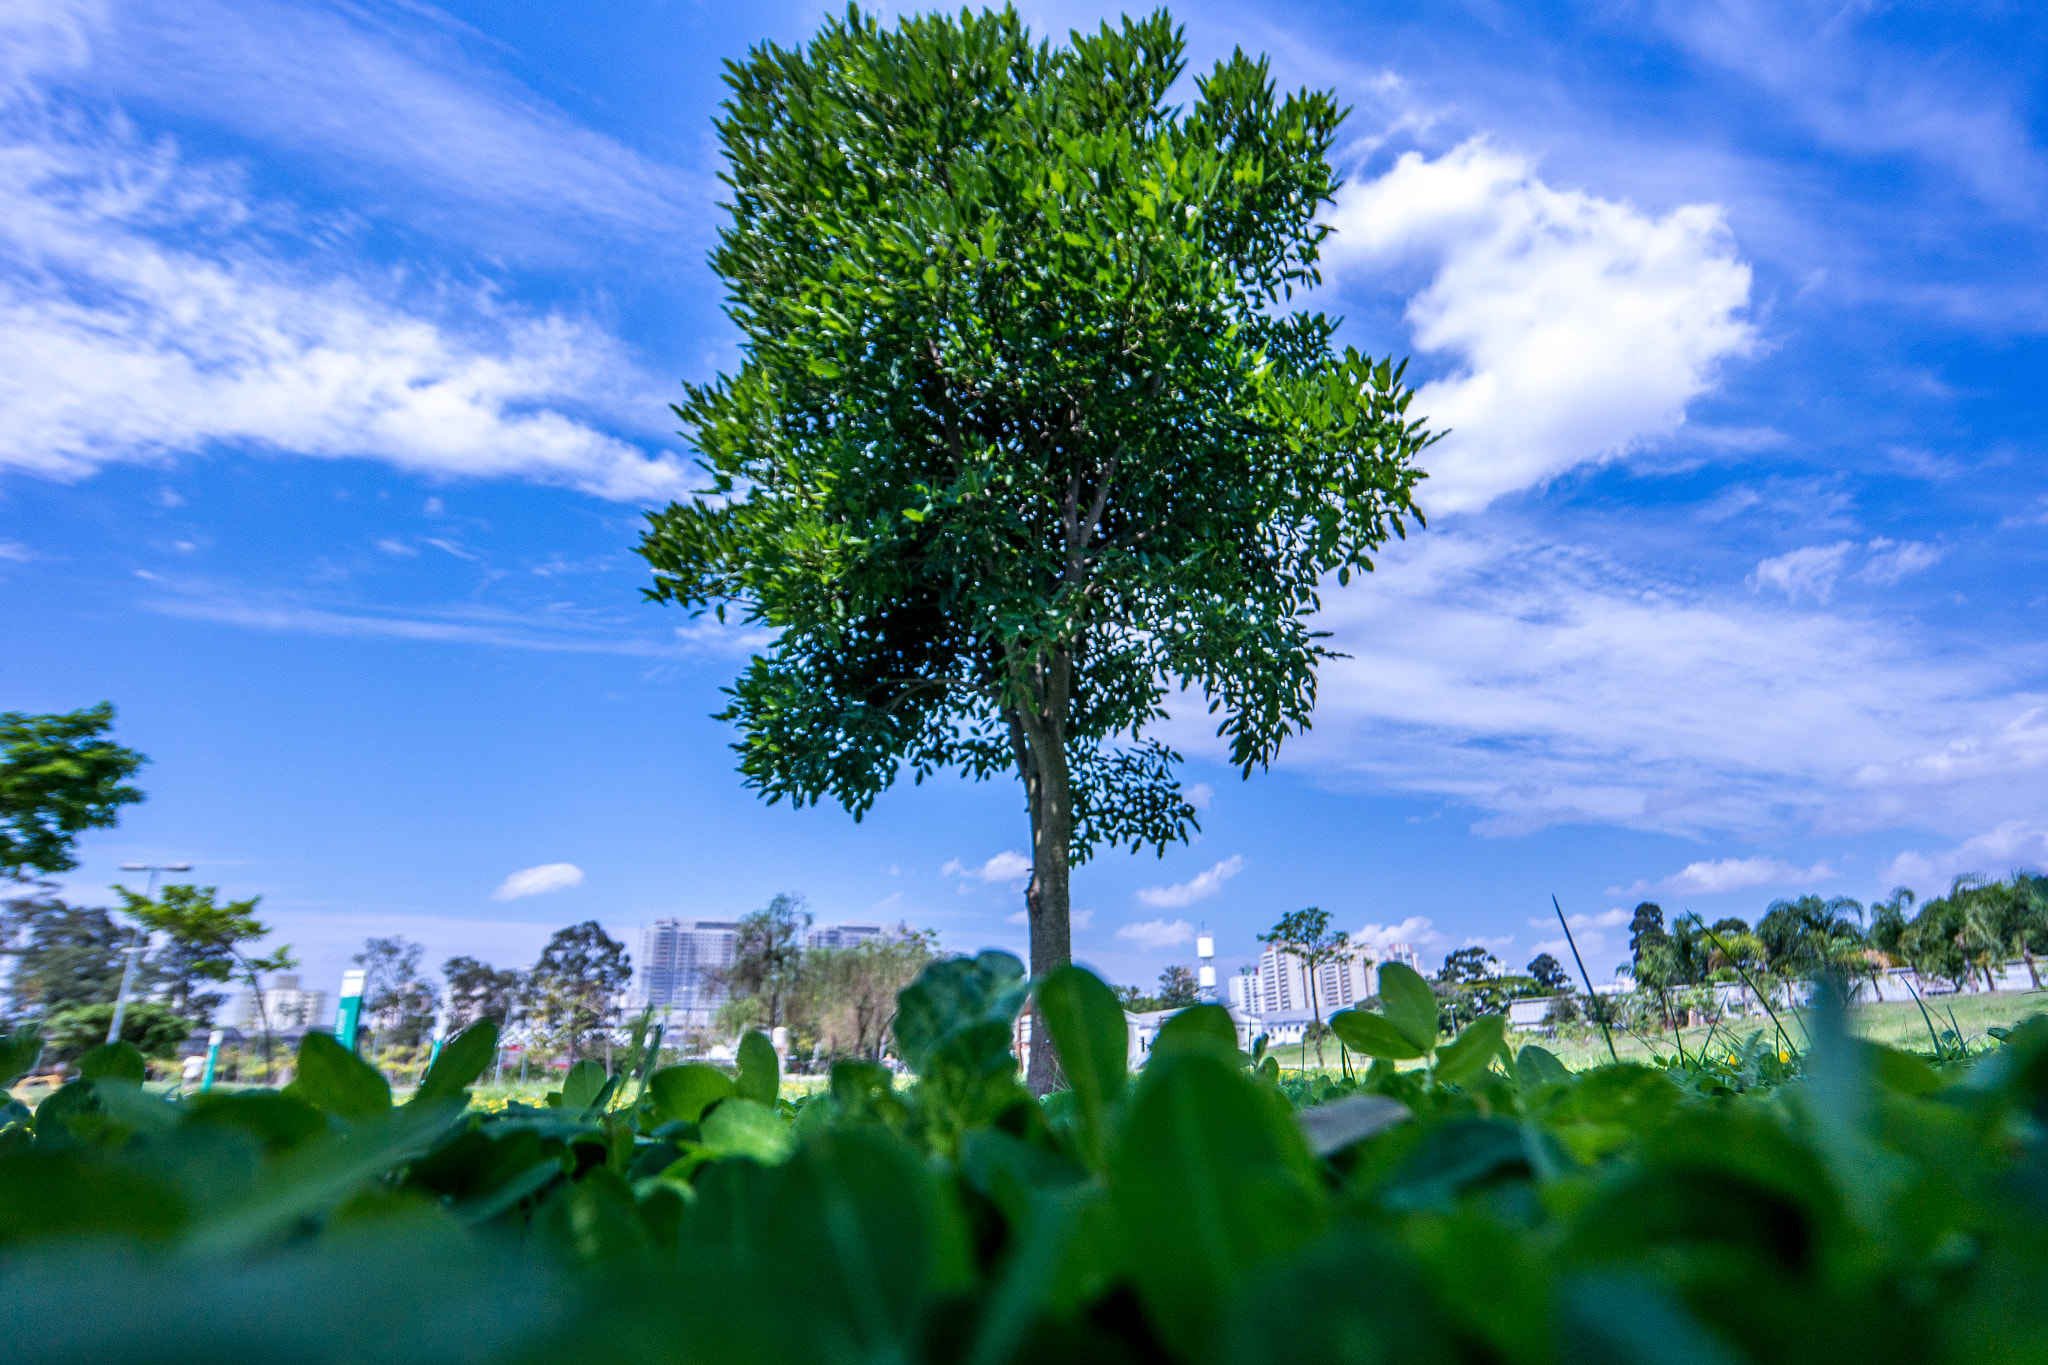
(1730, 874)
(15, 551)
(1586, 919)
(1583, 326)
(1543, 682)
(1153, 935)
(1200, 795)
(1813, 570)
(1200, 888)
(2014, 846)
(145, 314)
(1889, 563)
(1007, 866)
(396, 547)
(1417, 931)
(536, 880)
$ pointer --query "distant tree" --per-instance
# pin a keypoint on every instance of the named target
(399, 1000)
(1134, 999)
(1468, 964)
(1307, 934)
(1549, 975)
(1645, 932)
(59, 778)
(477, 990)
(574, 988)
(767, 961)
(1025, 437)
(1178, 989)
(1933, 942)
(855, 989)
(211, 939)
(1731, 925)
(1809, 935)
(70, 956)
(1888, 921)
(152, 1026)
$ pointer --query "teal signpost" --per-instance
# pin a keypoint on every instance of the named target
(212, 1060)
(350, 1010)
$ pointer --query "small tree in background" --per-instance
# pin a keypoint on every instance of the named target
(397, 997)
(58, 778)
(1550, 975)
(477, 990)
(1177, 988)
(64, 955)
(574, 988)
(767, 964)
(1025, 439)
(1307, 935)
(212, 939)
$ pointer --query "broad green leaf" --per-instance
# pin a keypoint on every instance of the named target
(1373, 1034)
(1208, 1023)
(1478, 1043)
(1087, 1026)
(955, 993)
(336, 1080)
(19, 1052)
(1409, 1003)
(462, 1060)
(46, 1194)
(1535, 1066)
(1210, 1178)
(760, 1078)
(581, 1087)
(743, 1127)
(114, 1061)
(685, 1092)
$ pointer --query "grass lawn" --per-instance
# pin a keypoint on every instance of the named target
(1899, 1024)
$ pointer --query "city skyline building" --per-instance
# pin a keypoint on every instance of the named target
(677, 972)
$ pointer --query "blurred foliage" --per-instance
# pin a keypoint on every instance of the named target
(1843, 1202)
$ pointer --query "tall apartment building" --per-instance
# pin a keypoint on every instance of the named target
(291, 1010)
(1279, 988)
(677, 966)
(845, 935)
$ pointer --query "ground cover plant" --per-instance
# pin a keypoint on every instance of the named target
(1454, 1200)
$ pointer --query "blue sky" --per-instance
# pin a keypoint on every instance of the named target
(335, 343)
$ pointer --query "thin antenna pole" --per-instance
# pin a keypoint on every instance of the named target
(1591, 998)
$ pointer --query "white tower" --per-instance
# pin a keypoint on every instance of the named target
(1205, 977)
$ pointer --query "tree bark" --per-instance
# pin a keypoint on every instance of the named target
(1038, 733)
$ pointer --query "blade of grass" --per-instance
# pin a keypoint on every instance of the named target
(1592, 998)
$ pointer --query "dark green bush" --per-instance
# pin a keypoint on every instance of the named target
(1854, 1204)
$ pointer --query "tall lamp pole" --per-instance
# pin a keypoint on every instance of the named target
(135, 945)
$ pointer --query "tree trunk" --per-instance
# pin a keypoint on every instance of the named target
(1038, 734)
(2027, 955)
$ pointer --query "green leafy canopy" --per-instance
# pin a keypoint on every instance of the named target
(1024, 436)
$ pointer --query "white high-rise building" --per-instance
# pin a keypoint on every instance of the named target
(291, 1010)
(845, 935)
(1280, 986)
(677, 970)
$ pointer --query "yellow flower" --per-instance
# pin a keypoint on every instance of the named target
(1784, 1056)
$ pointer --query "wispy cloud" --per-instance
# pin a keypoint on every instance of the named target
(1417, 931)
(1813, 570)
(146, 313)
(1199, 888)
(1007, 866)
(535, 881)
(1584, 326)
(1712, 878)
(2012, 846)
(1154, 935)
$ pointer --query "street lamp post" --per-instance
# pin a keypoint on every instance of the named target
(136, 943)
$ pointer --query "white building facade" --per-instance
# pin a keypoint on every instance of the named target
(291, 1010)
(846, 935)
(678, 966)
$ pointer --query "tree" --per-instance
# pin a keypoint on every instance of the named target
(1645, 931)
(59, 778)
(574, 987)
(210, 939)
(1307, 935)
(72, 956)
(767, 960)
(1024, 439)
(1549, 975)
(855, 989)
(1888, 921)
(1468, 964)
(398, 999)
(1809, 935)
(154, 1027)
(477, 990)
(1177, 989)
